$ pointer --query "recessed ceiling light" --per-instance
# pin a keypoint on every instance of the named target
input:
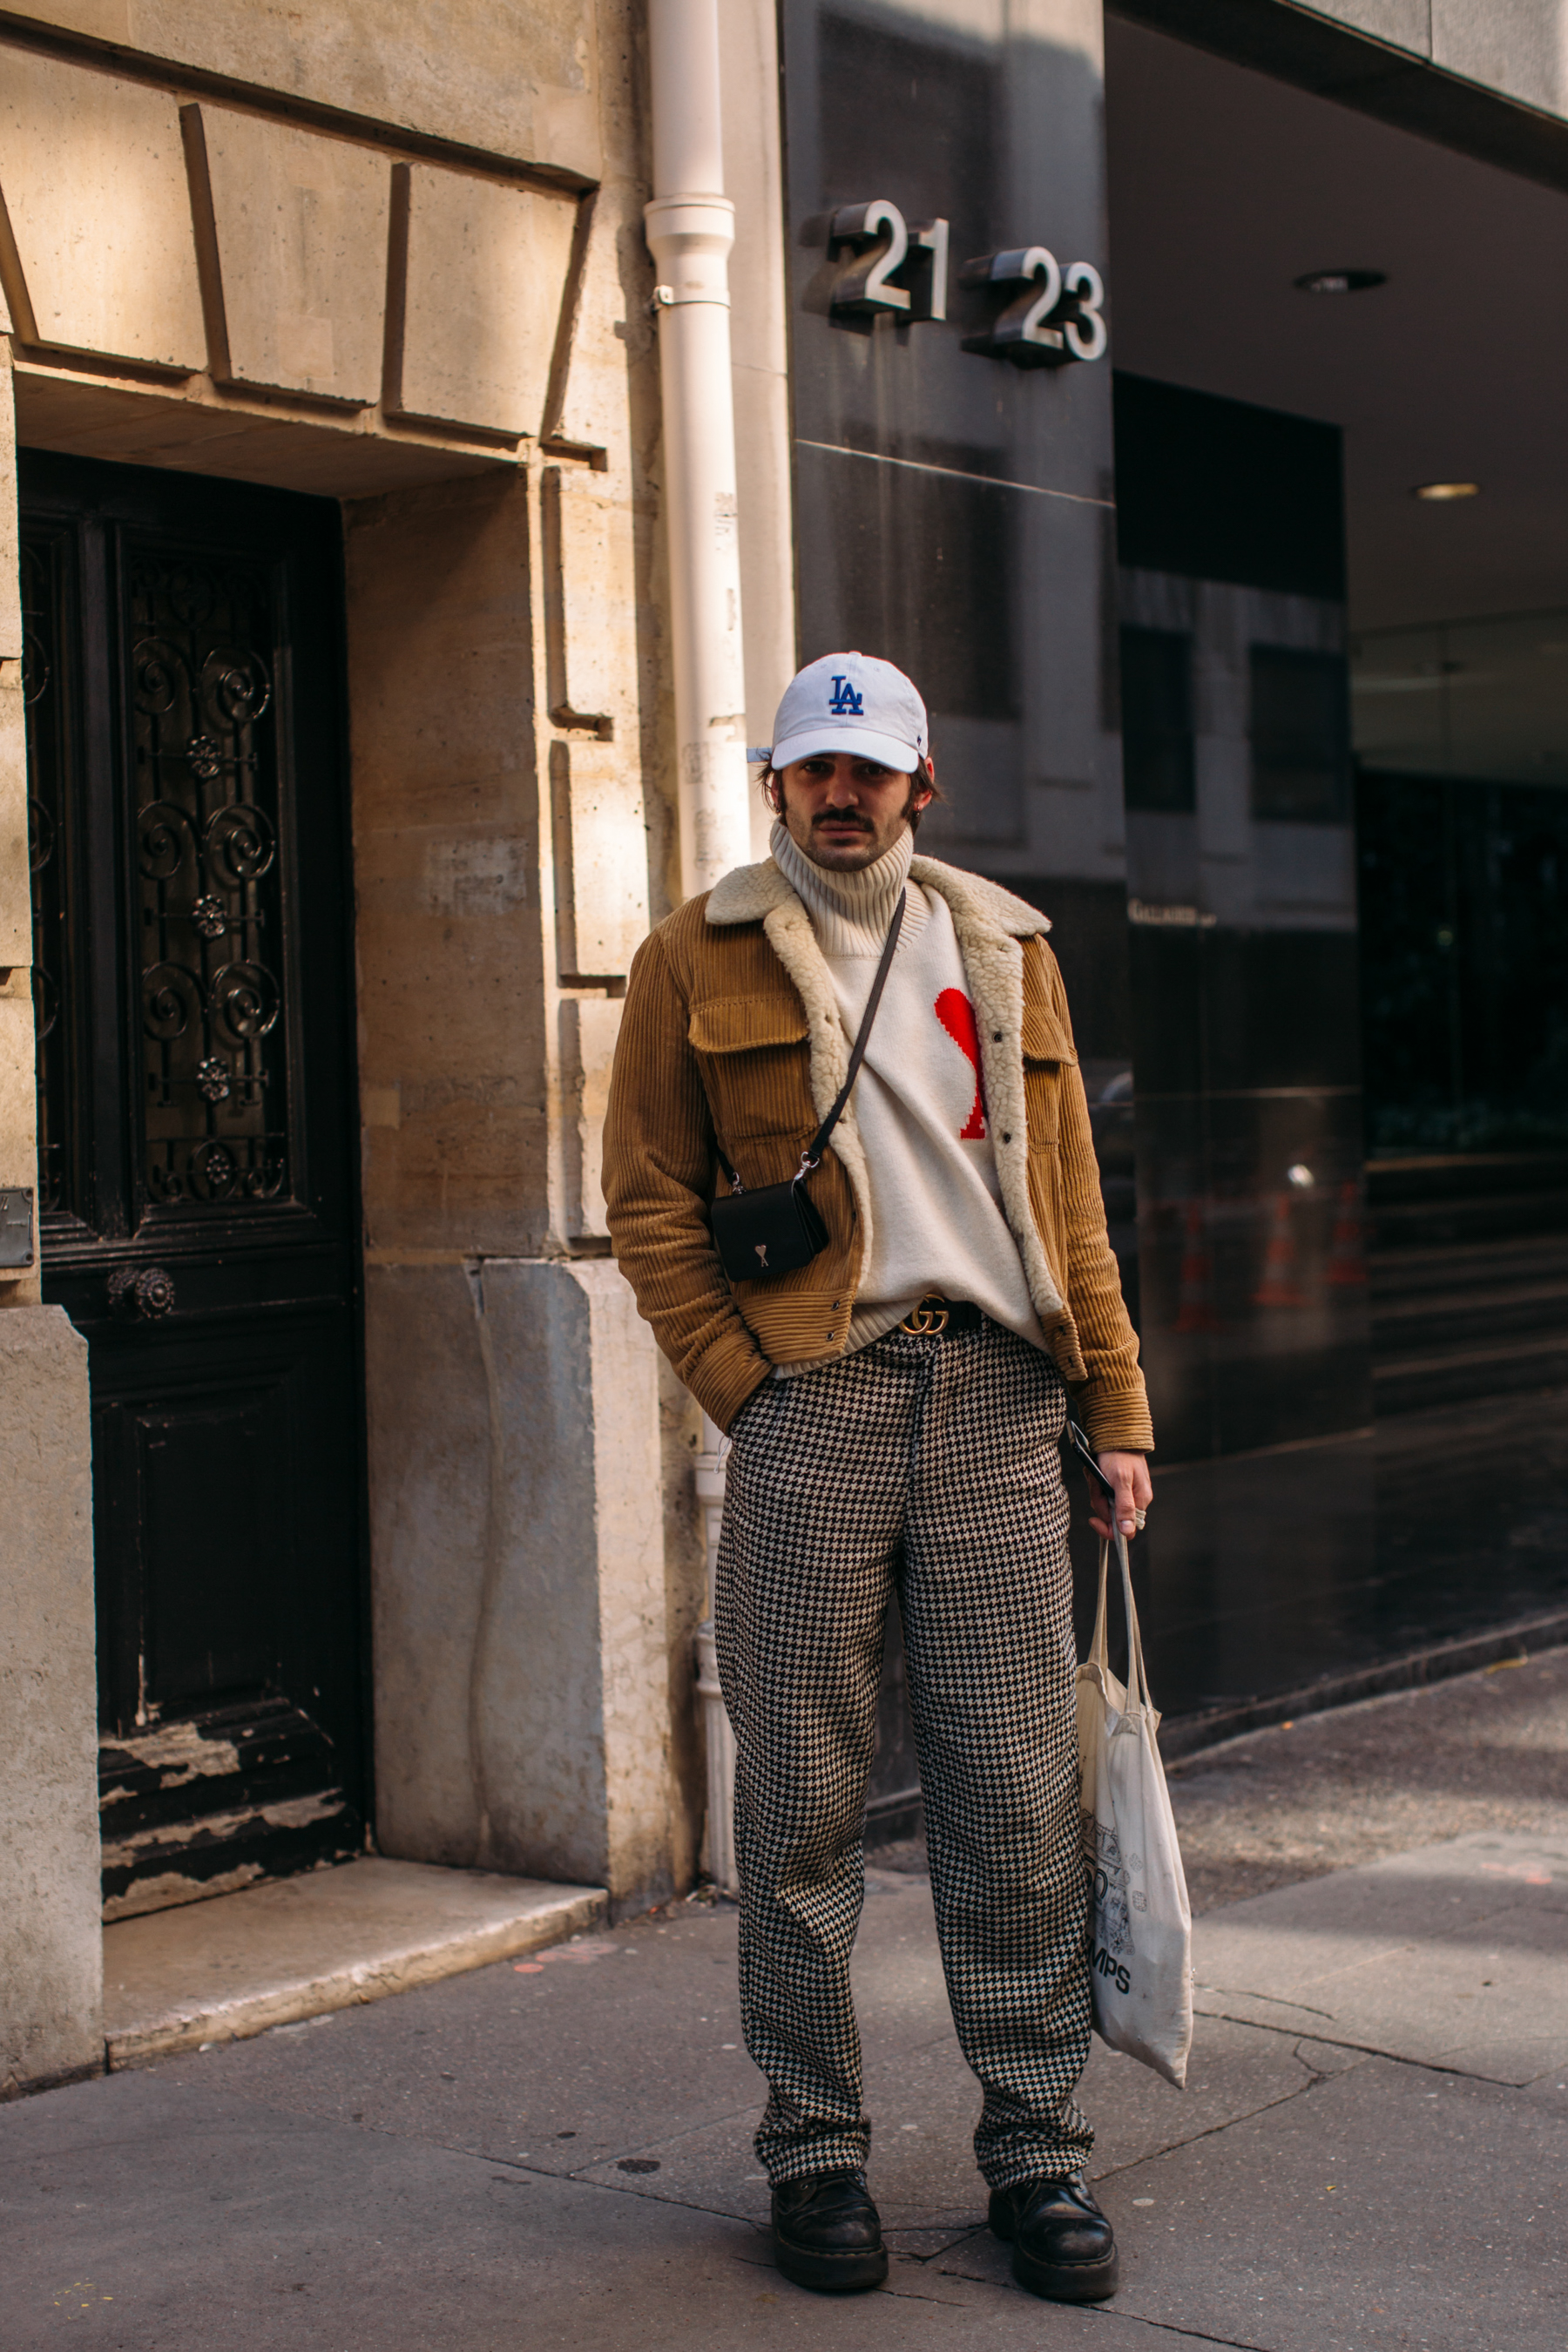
(1440, 492)
(1341, 281)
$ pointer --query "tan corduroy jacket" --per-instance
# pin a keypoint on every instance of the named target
(732, 1031)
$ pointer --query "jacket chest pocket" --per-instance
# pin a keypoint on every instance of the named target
(1046, 1051)
(755, 1061)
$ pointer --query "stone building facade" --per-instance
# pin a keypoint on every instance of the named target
(390, 261)
(342, 1494)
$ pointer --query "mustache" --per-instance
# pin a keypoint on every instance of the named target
(842, 816)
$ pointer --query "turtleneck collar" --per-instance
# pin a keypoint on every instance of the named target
(850, 911)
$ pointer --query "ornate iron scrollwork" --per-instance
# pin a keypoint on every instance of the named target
(210, 916)
(43, 554)
(206, 887)
(215, 1099)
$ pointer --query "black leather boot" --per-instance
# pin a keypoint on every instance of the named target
(829, 2233)
(1063, 2246)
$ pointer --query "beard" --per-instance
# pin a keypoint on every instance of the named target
(861, 839)
(910, 814)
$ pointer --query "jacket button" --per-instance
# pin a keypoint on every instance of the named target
(995, 1036)
(1006, 1139)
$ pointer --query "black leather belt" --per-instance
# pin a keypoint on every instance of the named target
(937, 1317)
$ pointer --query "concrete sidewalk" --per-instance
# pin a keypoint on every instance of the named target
(1372, 2155)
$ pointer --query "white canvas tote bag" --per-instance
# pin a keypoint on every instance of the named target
(1141, 1925)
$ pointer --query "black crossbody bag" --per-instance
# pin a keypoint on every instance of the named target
(780, 1228)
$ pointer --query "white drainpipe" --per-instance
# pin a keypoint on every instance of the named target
(719, 1834)
(689, 229)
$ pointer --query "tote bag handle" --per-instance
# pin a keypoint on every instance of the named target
(1137, 1679)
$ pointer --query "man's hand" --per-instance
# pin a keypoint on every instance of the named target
(1129, 1474)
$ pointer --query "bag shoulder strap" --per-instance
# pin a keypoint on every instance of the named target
(812, 1156)
(819, 1144)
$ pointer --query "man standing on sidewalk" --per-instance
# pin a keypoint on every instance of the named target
(894, 1408)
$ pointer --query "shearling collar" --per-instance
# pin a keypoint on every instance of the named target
(749, 893)
(988, 923)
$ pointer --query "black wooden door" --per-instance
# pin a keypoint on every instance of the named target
(197, 1149)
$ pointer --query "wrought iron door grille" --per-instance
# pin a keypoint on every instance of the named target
(213, 1100)
(43, 698)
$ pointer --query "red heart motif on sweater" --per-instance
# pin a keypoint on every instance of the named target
(956, 1014)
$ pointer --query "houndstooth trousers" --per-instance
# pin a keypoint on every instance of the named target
(930, 1465)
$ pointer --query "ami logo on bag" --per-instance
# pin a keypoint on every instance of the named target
(1100, 1959)
(844, 702)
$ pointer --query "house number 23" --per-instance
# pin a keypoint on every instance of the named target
(1058, 316)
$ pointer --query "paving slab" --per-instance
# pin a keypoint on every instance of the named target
(1454, 1956)
(552, 2064)
(568, 2056)
(1338, 1791)
(156, 2214)
(924, 2104)
(235, 1966)
(1388, 2209)
(555, 2149)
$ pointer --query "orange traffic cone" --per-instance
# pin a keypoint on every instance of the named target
(1198, 1279)
(1347, 1260)
(1279, 1287)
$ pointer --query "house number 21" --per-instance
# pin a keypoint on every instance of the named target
(1056, 318)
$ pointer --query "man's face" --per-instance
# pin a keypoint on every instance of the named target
(845, 812)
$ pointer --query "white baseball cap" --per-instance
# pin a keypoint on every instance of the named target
(850, 702)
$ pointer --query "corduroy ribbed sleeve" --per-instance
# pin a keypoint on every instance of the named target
(1115, 1404)
(659, 1180)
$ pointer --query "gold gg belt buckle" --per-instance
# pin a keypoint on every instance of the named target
(929, 1318)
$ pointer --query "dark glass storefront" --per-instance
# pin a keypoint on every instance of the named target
(1126, 604)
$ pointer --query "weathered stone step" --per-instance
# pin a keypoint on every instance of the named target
(300, 1948)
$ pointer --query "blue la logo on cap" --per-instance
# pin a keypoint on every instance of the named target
(850, 702)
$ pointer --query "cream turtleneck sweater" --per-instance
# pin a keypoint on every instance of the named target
(936, 1207)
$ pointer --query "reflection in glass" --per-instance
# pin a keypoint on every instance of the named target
(1300, 731)
(1465, 964)
(1486, 698)
(1461, 738)
(953, 513)
(1157, 720)
(1245, 1028)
